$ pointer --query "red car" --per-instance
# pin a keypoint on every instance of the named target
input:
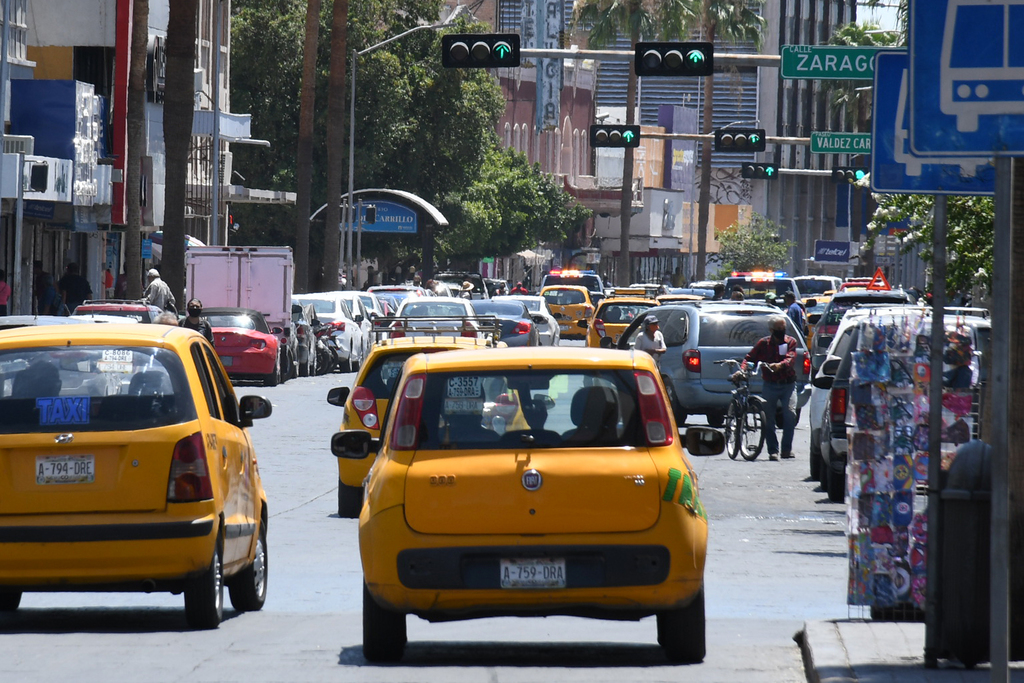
(125, 308)
(245, 344)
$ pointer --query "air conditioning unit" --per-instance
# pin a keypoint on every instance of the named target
(19, 144)
(225, 167)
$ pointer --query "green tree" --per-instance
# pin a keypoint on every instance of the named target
(635, 19)
(849, 99)
(969, 236)
(755, 245)
(730, 21)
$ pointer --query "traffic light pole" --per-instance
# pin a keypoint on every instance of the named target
(628, 56)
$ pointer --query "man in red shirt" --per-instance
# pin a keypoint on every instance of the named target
(777, 354)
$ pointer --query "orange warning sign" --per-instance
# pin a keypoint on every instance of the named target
(878, 282)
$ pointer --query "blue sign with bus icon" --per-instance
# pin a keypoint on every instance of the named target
(894, 167)
(966, 77)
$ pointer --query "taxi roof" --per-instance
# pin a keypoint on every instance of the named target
(90, 333)
(533, 357)
(627, 300)
(579, 288)
(400, 344)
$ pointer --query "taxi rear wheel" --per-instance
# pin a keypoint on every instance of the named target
(204, 596)
(681, 632)
(10, 601)
(248, 589)
(384, 634)
(350, 500)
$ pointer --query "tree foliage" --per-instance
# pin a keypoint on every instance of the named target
(969, 236)
(755, 245)
(419, 127)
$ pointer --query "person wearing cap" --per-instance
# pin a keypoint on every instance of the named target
(519, 288)
(651, 339)
(157, 292)
(467, 290)
(193, 321)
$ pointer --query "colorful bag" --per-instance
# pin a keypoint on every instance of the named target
(958, 404)
(871, 367)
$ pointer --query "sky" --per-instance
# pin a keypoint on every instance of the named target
(885, 17)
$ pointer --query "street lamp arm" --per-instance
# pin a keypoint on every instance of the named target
(392, 39)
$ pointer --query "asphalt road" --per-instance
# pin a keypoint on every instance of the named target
(777, 557)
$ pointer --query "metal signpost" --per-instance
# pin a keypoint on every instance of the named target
(966, 100)
(828, 62)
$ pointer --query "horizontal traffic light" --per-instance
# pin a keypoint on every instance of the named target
(848, 174)
(759, 171)
(674, 59)
(614, 136)
(480, 50)
(739, 140)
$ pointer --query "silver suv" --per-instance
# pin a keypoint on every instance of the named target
(698, 334)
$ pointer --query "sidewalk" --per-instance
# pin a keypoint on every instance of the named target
(865, 651)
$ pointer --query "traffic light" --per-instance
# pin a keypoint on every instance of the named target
(614, 136)
(480, 50)
(759, 171)
(674, 59)
(848, 174)
(739, 140)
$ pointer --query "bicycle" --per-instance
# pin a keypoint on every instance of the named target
(745, 418)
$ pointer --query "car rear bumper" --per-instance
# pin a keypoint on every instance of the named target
(254, 362)
(617, 576)
(105, 552)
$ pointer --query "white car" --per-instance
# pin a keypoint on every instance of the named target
(347, 335)
(437, 315)
(372, 304)
(361, 315)
(550, 334)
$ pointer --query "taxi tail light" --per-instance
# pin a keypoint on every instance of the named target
(691, 360)
(599, 326)
(653, 411)
(406, 435)
(588, 311)
(366, 407)
(522, 327)
(838, 404)
(189, 480)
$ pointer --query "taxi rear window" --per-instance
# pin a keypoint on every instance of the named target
(621, 314)
(535, 408)
(92, 388)
(384, 372)
(591, 282)
(564, 297)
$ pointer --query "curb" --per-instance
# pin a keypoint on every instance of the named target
(824, 654)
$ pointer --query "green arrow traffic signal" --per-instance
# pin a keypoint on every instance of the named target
(479, 50)
(673, 59)
(614, 135)
(502, 50)
(628, 136)
(695, 57)
(740, 140)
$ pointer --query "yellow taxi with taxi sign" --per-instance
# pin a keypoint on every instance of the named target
(613, 316)
(127, 465)
(591, 508)
(569, 305)
(367, 401)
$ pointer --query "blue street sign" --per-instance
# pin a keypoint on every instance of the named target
(894, 169)
(966, 58)
(391, 217)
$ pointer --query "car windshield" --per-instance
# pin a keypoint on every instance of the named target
(431, 309)
(757, 289)
(327, 306)
(240, 321)
(564, 297)
(811, 286)
(533, 305)
(508, 310)
(591, 282)
(621, 313)
(543, 408)
(92, 388)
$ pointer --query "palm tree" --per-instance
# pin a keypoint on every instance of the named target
(335, 145)
(606, 19)
(136, 147)
(731, 21)
(304, 153)
(179, 103)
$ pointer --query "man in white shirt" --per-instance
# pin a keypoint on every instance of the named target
(651, 339)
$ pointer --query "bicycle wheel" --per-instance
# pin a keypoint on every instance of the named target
(732, 432)
(751, 431)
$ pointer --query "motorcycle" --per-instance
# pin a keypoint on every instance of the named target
(326, 351)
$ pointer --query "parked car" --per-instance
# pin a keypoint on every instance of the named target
(612, 317)
(549, 331)
(306, 348)
(346, 334)
(832, 383)
(569, 305)
(838, 305)
(366, 403)
(373, 304)
(589, 507)
(134, 493)
(518, 325)
(399, 293)
(136, 310)
(245, 344)
(699, 333)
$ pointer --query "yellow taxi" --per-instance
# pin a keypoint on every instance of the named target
(569, 305)
(589, 509)
(125, 464)
(367, 401)
(613, 316)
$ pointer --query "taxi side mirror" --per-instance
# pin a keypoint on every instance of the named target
(607, 343)
(253, 408)
(337, 396)
(704, 441)
(354, 444)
